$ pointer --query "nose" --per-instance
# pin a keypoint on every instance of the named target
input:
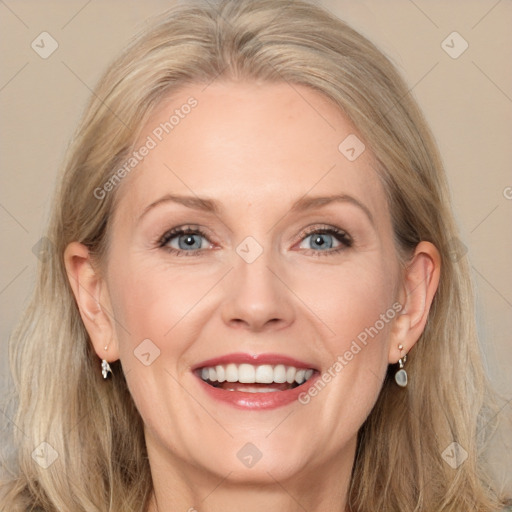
(257, 297)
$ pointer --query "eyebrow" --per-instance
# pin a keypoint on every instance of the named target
(302, 204)
(307, 203)
(193, 202)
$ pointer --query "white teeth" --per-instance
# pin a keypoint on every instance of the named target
(221, 373)
(246, 374)
(260, 374)
(290, 374)
(264, 374)
(280, 374)
(231, 373)
(257, 390)
(299, 376)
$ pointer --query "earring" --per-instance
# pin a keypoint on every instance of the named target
(401, 374)
(105, 367)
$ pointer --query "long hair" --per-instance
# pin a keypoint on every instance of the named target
(95, 456)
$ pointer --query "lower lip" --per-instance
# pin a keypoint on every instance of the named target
(257, 401)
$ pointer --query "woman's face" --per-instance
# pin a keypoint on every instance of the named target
(287, 270)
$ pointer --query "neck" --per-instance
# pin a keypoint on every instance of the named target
(179, 486)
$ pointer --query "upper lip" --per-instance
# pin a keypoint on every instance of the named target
(254, 359)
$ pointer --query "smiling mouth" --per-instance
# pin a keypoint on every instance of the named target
(250, 378)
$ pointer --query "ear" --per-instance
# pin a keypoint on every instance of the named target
(92, 299)
(420, 282)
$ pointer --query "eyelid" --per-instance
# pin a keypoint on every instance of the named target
(182, 230)
(326, 229)
(342, 236)
(163, 240)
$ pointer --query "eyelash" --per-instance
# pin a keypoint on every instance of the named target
(342, 236)
(169, 235)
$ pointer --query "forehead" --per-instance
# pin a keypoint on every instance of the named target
(249, 143)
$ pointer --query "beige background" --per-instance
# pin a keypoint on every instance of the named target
(468, 102)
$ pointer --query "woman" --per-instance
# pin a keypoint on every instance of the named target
(249, 301)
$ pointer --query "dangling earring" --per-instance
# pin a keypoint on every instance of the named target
(105, 367)
(401, 374)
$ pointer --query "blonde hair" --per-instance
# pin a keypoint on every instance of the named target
(93, 425)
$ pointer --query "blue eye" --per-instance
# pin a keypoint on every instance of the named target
(326, 240)
(184, 240)
(321, 241)
(188, 241)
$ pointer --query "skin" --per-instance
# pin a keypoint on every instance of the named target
(254, 149)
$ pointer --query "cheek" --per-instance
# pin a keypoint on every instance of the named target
(356, 304)
(150, 301)
(349, 299)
